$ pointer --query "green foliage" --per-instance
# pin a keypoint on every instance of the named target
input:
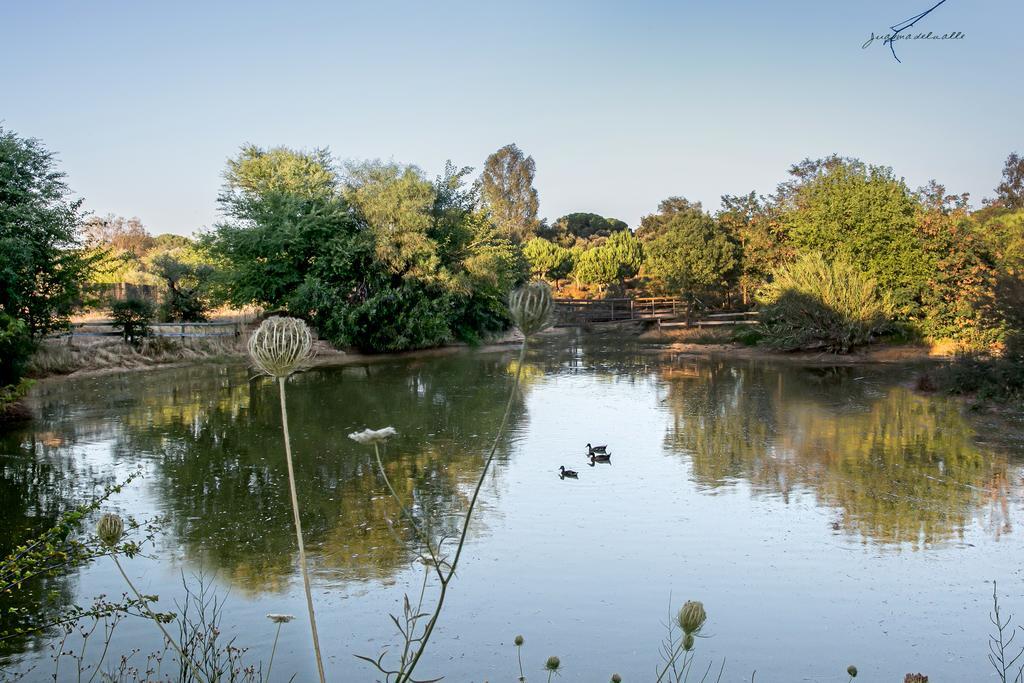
(845, 209)
(31, 564)
(596, 266)
(959, 301)
(16, 347)
(985, 377)
(43, 267)
(653, 225)
(386, 260)
(753, 225)
(547, 259)
(410, 316)
(1010, 192)
(822, 305)
(574, 227)
(506, 188)
(620, 257)
(396, 203)
(187, 283)
(133, 317)
(690, 255)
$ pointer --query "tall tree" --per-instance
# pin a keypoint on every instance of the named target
(845, 208)
(1010, 192)
(752, 222)
(43, 266)
(653, 224)
(507, 191)
(691, 255)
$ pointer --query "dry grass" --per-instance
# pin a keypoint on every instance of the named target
(61, 357)
(693, 335)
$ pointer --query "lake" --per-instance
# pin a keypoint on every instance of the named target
(825, 516)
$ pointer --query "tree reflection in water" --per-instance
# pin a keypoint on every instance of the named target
(899, 467)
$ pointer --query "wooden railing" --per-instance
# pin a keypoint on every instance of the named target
(660, 308)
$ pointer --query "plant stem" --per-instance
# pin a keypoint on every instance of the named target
(519, 655)
(273, 649)
(406, 676)
(298, 528)
(185, 660)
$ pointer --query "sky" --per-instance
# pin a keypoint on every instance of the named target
(620, 104)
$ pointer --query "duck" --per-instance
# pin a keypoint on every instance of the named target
(600, 457)
(572, 474)
(591, 450)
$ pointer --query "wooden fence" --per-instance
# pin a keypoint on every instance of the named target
(663, 309)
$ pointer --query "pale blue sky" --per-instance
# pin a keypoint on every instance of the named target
(620, 103)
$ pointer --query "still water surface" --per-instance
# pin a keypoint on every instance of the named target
(825, 516)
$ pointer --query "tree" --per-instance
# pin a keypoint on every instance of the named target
(507, 191)
(752, 222)
(396, 202)
(548, 259)
(284, 216)
(43, 266)
(1010, 192)
(691, 255)
(845, 208)
(187, 279)
(653, 225)
(574, 227)
(611, 263)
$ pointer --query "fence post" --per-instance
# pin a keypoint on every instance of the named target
(613, 310)
(183, 332)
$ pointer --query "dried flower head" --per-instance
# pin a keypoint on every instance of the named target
(616, 678)
(915, 678)
(553, 663)
(280, 618)
(279, 346)
(371, 436)
(692, 616)
(852, 670)
(531, 307)
(110, 529)
(519, 641)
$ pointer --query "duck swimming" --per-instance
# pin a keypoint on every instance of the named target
(572, 474)
(600, 450)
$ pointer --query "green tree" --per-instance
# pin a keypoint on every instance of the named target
(44, 269)
(690, 256)
(396, 202)
(844, 208)
(549, 260)
(1010, 192)
(752, 223)
(596, 266)
(284, 217)
(627, 251)
(574, 227)
(654, 224)
(507, 191)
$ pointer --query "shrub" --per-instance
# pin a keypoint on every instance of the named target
(814, 304)
(407, 317)
(987, 378)
(133, 317)
(16, 347)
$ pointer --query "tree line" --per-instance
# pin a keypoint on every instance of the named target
(381, 257)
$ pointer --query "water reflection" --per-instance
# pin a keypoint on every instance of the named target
(897, 466)
(885, 464)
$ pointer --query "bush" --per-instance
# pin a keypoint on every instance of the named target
(987, 378)
(133, 317)
(407, 317)
(814, 304)
(16, 347)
